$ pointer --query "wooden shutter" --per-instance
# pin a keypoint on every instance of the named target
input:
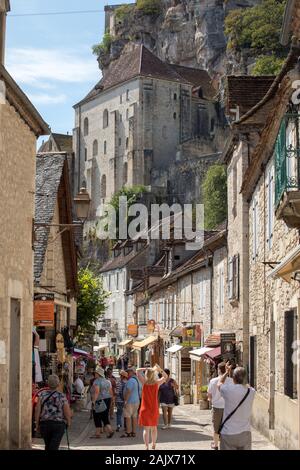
(288, 352)
(230, 279)
(253, 358)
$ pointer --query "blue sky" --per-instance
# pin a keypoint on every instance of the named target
(50, 57)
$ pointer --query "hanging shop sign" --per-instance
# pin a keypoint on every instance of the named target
(151, 326)
(132, 330)
(191, 336)
(43, 313)
(228, 342)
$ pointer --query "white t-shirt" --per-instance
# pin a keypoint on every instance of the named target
(78, 385)
(216, 400)
(240, 421)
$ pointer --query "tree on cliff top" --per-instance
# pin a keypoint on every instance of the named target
(215, 196)
(257, 29)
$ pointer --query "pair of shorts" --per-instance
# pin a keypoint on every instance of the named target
(131, 410)
(217, 417)
(102, 419)
(168, 405)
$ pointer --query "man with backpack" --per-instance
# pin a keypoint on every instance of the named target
(132, 399)
(235, 430)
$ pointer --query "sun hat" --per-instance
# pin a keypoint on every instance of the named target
(100, 371)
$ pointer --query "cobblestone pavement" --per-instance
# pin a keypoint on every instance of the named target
(191, 430)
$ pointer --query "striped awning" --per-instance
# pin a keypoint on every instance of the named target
(213, 340)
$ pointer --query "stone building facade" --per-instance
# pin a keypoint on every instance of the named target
(20, 125)
(131, 128)
(271, 187)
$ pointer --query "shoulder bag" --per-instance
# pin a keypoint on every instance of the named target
(232, 413)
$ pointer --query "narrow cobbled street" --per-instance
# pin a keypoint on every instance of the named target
(191, 430)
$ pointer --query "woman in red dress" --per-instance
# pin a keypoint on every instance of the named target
(149, 411)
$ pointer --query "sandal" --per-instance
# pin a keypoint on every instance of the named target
(126, 434)
(133, 434)
(110, 435)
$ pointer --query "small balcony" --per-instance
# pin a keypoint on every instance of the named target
(287, 171)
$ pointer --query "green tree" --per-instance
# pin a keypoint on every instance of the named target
(267, 65)
(91, 303)
(257, 28)
(215, 196)
(104, 46)
(149, 7)
(132, 193)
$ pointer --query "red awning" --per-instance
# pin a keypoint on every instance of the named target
(214, 352)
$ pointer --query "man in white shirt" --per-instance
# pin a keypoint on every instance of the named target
(78, 385)
(236, 431)
(217, 403)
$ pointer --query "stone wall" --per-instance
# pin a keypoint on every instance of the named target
(17, 170)
(269, 300)
(237, 240)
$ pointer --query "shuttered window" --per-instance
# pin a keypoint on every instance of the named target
(220, 289)
(233, 277)
(255, 228)
(270, 206)
(290, 369)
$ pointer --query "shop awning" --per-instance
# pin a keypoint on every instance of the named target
(125, 342)
(214, 352)
(287, 267)
(175, 348)
(177, 331)
(145, 342)
(196, 354)
(213, 340)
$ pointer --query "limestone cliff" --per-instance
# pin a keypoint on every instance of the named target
(186, 32)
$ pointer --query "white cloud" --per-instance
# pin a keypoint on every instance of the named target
(38, 67)
(43, 98)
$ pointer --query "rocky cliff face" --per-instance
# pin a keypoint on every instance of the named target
(187, 32)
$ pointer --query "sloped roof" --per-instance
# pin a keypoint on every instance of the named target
(120, 261)
(17, 98)
(136, 60)
(52, 185)
(246, 91)
(64, 143)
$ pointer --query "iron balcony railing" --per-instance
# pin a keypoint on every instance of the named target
(287, 153)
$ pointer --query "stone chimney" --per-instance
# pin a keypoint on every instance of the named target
(4, 8)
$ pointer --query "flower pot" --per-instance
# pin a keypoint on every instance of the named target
(204, 404)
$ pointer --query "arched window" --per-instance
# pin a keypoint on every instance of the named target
(174, 115)
(103, 186)
(95, 148)
(105, 147)
(125, 170)
(85, 154)
(175, 96)
(127, 143)
(85, 126)
(200, 93)
(105, 118)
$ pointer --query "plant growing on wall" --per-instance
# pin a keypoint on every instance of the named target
(104, 46)
(149, 7)
(91, 303)
(124, 11)
(267, 65)
(215, 196)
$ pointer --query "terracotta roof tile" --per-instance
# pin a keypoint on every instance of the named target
(246, 91)
(136, 61)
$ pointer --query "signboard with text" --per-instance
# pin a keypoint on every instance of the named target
(228, 342)
(132, 329)
(191, 336)
(43, 313)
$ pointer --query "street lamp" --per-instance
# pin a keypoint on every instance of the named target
(82, 204)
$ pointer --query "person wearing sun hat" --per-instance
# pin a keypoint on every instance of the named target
(121, 383)
(101, 394)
